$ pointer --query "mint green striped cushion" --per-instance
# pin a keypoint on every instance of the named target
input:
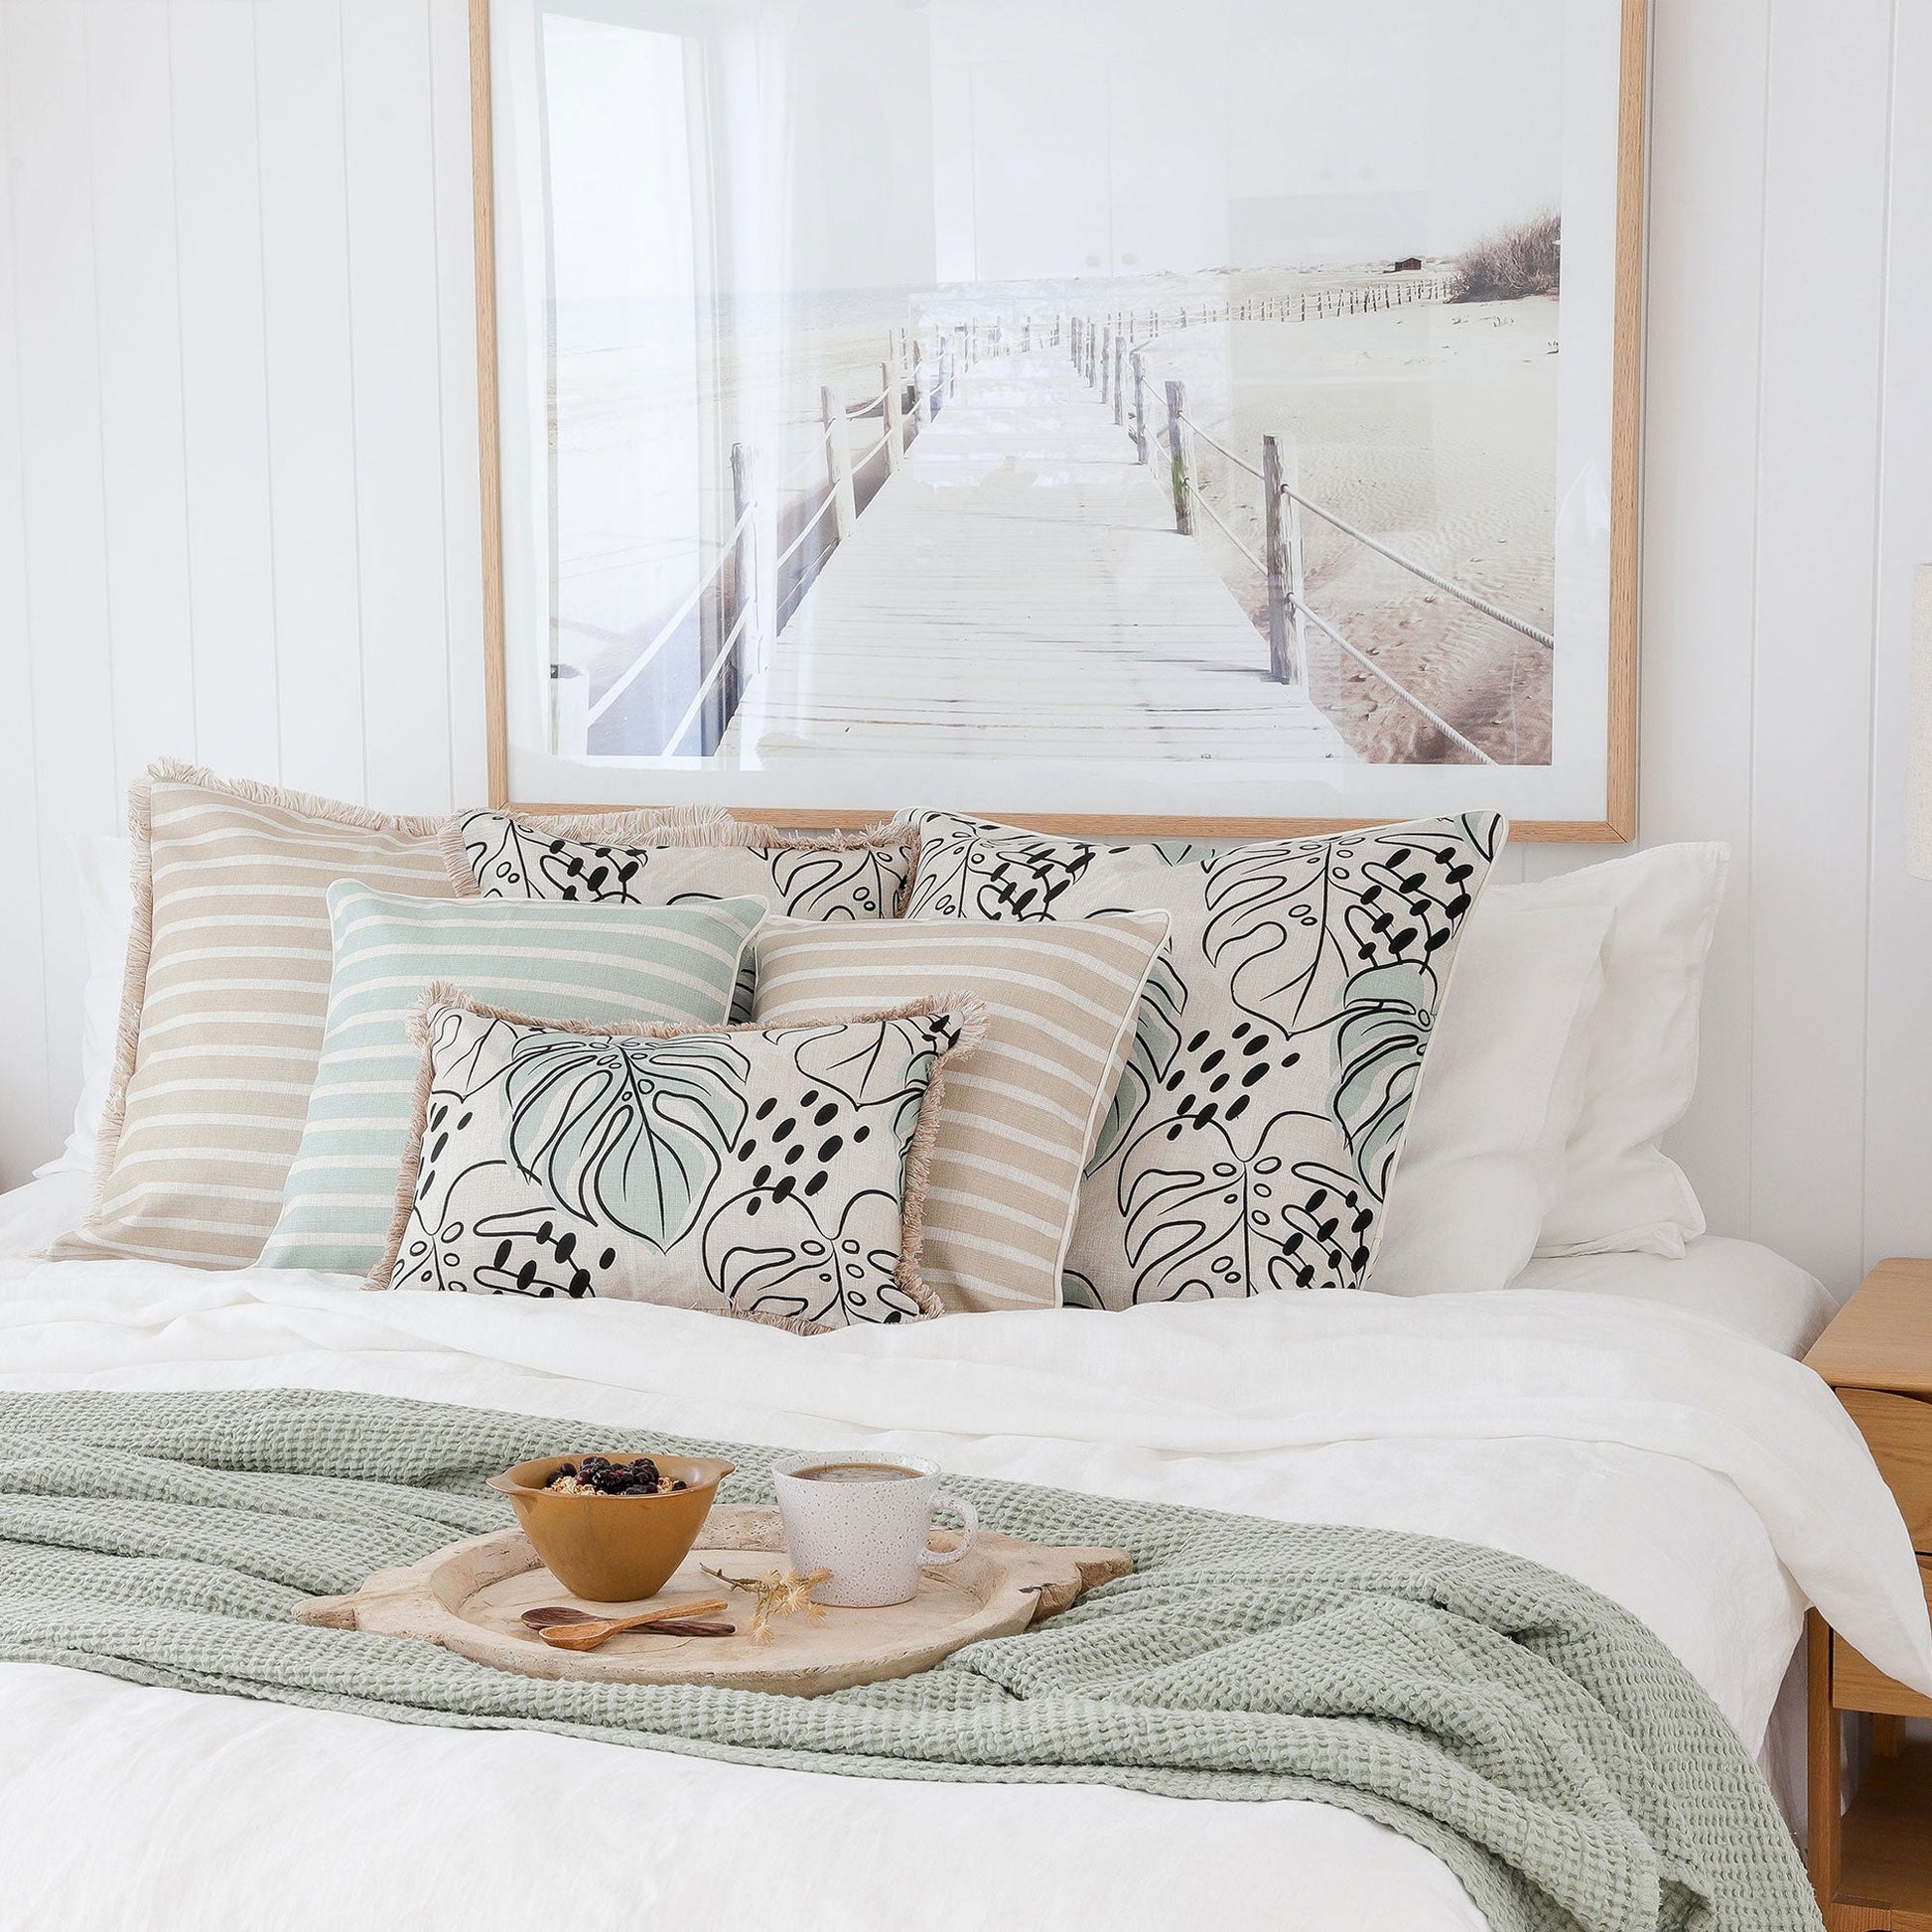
(546, 958)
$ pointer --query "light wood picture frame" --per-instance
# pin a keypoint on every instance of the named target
(1264, 611)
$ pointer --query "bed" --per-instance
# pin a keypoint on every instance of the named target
(1610, 1417)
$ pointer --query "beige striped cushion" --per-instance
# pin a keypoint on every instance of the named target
(226, 991)
(1022, 1116)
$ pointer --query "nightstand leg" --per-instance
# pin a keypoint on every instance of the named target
(1823, 1834)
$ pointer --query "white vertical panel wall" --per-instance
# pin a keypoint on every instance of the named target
(238, 508)
(237, 438)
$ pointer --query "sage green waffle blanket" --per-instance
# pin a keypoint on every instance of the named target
(1535, 1736)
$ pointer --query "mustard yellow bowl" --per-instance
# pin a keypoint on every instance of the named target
(613, 1548)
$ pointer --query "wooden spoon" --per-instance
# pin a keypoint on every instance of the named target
(588, 1634)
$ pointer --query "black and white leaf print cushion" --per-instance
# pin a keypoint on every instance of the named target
(1261, 1113)
(773, 1173)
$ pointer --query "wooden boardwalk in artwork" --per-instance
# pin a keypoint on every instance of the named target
(1018, 590)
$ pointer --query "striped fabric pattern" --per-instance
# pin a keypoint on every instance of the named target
(222, 1023)
(1020, 1116)
(605, 964)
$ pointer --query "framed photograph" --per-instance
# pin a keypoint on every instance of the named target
(1096, 414)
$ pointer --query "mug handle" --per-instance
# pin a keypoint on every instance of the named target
(931, 1559)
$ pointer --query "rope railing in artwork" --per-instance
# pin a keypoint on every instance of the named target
(805, 529)
(1282, 506)
(710, 680)
(830, 462)
(1422, 571)
(621, 683)
(1408, 697)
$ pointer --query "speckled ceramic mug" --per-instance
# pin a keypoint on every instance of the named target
(869, 1531)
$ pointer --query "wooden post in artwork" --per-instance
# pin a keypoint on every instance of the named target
(748, 650)
(895, 421)
(1183, 509)
(921, 384)
(1106, 362)
(1140, 408)
(1120, 355)
(1091, 331)
(1288, 476)
(1275, 554)
(838, 465)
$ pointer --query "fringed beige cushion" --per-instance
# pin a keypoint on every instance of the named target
(778, 1175)
(1024, 1114)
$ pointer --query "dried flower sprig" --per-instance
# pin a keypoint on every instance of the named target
(777, 1593)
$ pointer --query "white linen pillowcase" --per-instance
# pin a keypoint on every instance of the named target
(1499, 1097)
(103, 884)
(1621, 1192)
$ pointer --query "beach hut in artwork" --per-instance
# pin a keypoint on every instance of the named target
(1406, 263)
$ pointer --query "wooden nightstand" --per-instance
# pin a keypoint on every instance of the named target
(1872, 1867)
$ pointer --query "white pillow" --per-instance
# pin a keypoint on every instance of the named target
(1621, 1193)
(103, 874)
(1769, 1298)
(1482, 1162)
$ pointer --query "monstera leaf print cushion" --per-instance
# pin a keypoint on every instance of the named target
(1261, 1112)
(801, 875)
(773, 1173)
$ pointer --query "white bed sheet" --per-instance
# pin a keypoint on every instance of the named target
(1694, 1475)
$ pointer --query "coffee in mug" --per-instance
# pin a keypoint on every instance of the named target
(865, 1519)
(856, 1472)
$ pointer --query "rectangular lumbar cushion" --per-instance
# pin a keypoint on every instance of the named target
(674, 964)
(1021, 1120)
(1262, 1108)
(222, 1014)
(802, 875)
(775, 1173)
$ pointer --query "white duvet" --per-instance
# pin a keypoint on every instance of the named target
(1701, 1479)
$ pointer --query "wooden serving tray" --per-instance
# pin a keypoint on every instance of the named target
(471, 1596)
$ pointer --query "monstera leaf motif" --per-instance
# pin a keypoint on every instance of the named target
(1157, 1039)
(1184, 1192)
(1268, 934)
(766, 1252)
(839, 882)
(971, 870)
(462, 1074)
(882, 1067)
(1202, 1219)
(1378, 1045)
(626, 1132)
